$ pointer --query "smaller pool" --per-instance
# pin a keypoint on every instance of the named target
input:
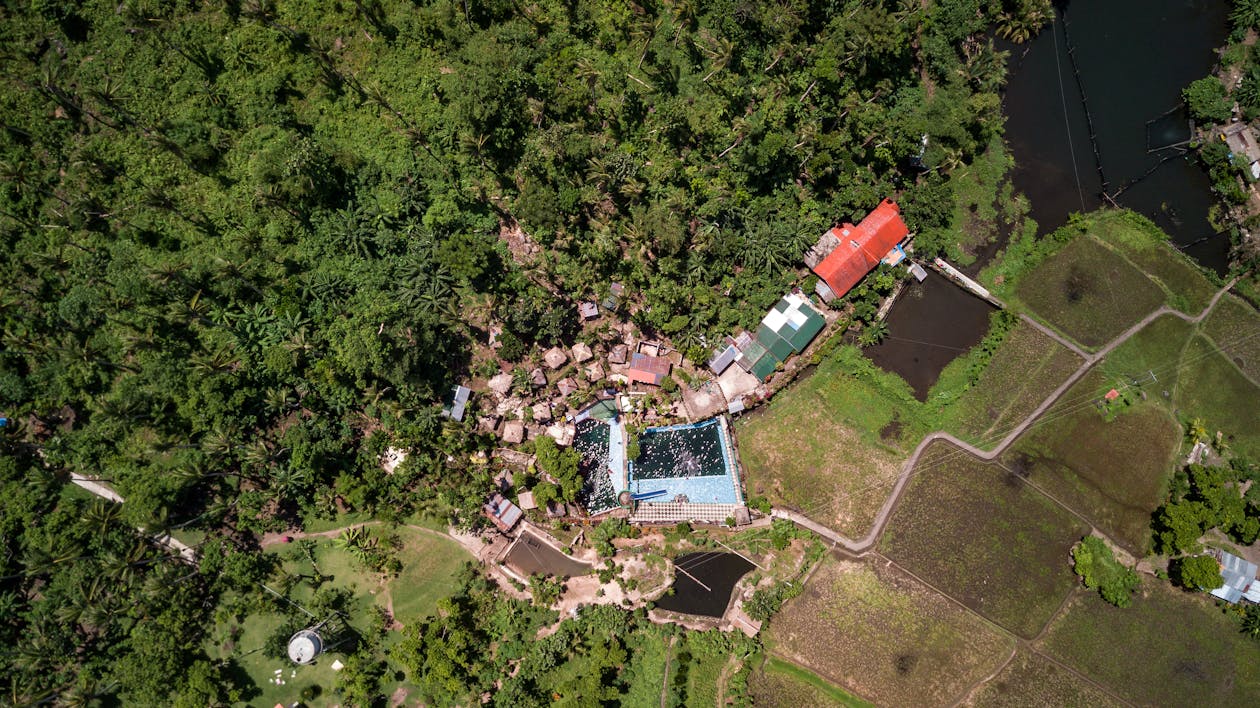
(693, 572)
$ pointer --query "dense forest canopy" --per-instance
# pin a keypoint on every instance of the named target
(246, 245)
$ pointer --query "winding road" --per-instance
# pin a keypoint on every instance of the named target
(864, 544)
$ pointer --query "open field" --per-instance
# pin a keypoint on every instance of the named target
(780, 684)
(1139, 241)
(1025, 369)
(817, 447)
(1113, 472)
(885, 636)
(1234, 326)
(1168, 648)
(1213, 389)
(982, 535)
(1089, 293)
(430, 563)
(1031, 680)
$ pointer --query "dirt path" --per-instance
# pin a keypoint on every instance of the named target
(864, 544)
(732, 666)
(669, 650)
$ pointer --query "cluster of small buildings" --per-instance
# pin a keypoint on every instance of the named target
(786, 329)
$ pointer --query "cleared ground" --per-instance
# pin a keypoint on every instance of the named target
(1032, 680)
(1026, 368)
(1089, 293)
(980, 534)
(817, 447)
(1168, 648)
(885, 636)
(1114, 472)
(780, 684)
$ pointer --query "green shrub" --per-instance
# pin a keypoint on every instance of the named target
(1099, 569)
(1196, 572)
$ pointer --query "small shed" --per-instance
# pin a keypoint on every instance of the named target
(588, 310)
(542, 412)
(1239, 578)
(514, 432)
(595, 372)
(736, 406)
(566, 386)
(618, 354)
(722, 359)
(555, 357)
(526, 501)
(459, 401)
(1112, 395)
(501, 383)
(615, 293)
(501, 512)
(645, 368)
(582, 353)
(537, 377)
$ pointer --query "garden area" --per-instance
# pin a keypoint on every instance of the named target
(884, 636)
(1031, 680)
(979, 533)
(1169, 647)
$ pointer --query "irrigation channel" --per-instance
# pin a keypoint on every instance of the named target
(1093, 106)
(705, 588)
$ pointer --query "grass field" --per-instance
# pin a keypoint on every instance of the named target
(1089, 293)
(817, 446)
(1031, 680)
(1213, 389)
(430, 563)
(1133, 237)
(1025, 369)
(884, 636)
(781, 684)
(982, 535)
(1234, 326)
(1114, 472)
(1168, 648)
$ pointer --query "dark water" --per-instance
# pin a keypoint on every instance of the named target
(533, 557)
(929, 326)
(719, 571)
(1134, 58)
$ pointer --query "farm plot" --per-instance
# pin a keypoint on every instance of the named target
(1089, 293)
(1234, 326)
(885, 636)
(1168, 648)
(1031, 680)
(979, 533)
(1213, 389)
(1113, 472)
(1141, 242)
(1025, 369)
(805, 451)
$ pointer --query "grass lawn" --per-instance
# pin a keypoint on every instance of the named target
(1114, 472)
(430, 563)
(831, 444)
(982, 535)
(1088, 292)
(778, 683)
(1234, 326)
(1025, 369)
(1168, 648)
(1031, 680)
(884, 636)
(1213, 389)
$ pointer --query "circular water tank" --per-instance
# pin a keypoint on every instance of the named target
(305, 646)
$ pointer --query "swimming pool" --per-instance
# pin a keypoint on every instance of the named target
(691, 461)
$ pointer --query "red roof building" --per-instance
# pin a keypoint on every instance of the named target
(645, 368)
(1112, 395)
(858, 249)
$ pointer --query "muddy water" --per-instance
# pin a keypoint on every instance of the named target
(929, 326)
(719, 571)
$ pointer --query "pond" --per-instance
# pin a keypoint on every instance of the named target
(530, 556)
(718, 571)
(930, 324)
(1134, 57)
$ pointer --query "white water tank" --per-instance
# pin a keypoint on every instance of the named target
(305, 646)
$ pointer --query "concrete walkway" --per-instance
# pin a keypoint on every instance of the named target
(864, 544)
(186, 552)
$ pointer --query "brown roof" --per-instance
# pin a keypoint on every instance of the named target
(645, 368)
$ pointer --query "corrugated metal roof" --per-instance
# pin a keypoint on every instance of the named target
(723, 359)
(1238, 575)
(458, 403)
(764, 367)
(779, 347)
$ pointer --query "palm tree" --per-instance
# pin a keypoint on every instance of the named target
(1246, 14)
(873, 334)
